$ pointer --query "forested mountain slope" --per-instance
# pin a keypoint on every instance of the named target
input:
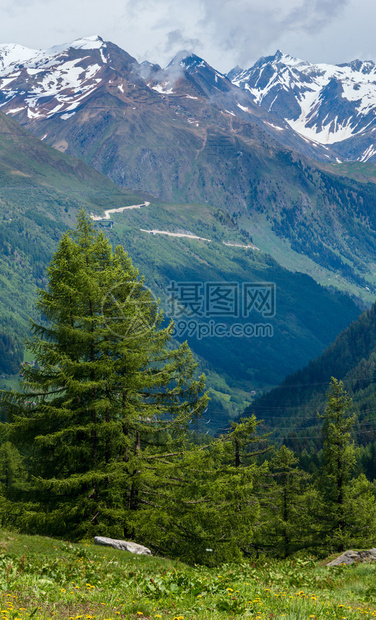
(291, 409)
(40, 194)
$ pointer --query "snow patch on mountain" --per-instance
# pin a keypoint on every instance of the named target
(13, 55)
(162, 89)
(274, 126)
(368, 153)
(242, 107)
(66, 116)
(327, 134)
(49, 76)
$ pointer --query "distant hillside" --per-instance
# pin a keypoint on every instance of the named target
(41, 191)
(40, 194)
(291, 409)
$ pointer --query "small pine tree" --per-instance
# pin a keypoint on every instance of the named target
(107, 391)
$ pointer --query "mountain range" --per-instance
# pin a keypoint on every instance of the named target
(326, 111)
(241, 187)
(331, 105)
(190, 134)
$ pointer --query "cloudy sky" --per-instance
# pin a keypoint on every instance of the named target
(224, 32)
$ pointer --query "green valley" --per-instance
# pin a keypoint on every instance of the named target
(41, 193)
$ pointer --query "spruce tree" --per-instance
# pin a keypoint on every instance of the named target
(339, 460)
(203, 505)
(288, 506)
(348, 511)
(106, 393)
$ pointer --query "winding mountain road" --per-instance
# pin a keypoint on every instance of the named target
(107, 213)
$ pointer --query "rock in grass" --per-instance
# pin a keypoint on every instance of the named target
(349, 557)
(122, 545)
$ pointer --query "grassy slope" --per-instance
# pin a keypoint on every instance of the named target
(45, 578)
(364, 172)
(29, 165)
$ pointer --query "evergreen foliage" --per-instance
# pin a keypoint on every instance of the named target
(348, 509)
(288, 501)
(203, 503)
(99, 439)
(106, 391)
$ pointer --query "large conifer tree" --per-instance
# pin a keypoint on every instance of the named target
(107, 391)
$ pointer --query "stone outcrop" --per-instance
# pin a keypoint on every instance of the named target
(349, 557)
(122, 545)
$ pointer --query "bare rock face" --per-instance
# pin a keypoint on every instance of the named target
(349, 557)
(122, 545)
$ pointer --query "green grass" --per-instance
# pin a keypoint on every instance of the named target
(44, 578)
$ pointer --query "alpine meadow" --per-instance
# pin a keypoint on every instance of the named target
(187, 324)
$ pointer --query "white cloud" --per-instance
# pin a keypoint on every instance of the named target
(236, 31)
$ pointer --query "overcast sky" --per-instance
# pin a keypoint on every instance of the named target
(225, 32)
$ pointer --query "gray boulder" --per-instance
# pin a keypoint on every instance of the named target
(122, 545)
(349, 557)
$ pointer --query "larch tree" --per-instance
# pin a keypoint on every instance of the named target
(107, 392)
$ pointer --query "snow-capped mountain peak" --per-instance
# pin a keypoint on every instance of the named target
(87, 43)
(189, 73)
(94, 42)
(12, 54)
(322, 102)
(30, 79)
(185, 60)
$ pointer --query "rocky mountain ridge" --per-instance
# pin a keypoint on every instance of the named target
(39, 85)
(322, 110)
(332, 105)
